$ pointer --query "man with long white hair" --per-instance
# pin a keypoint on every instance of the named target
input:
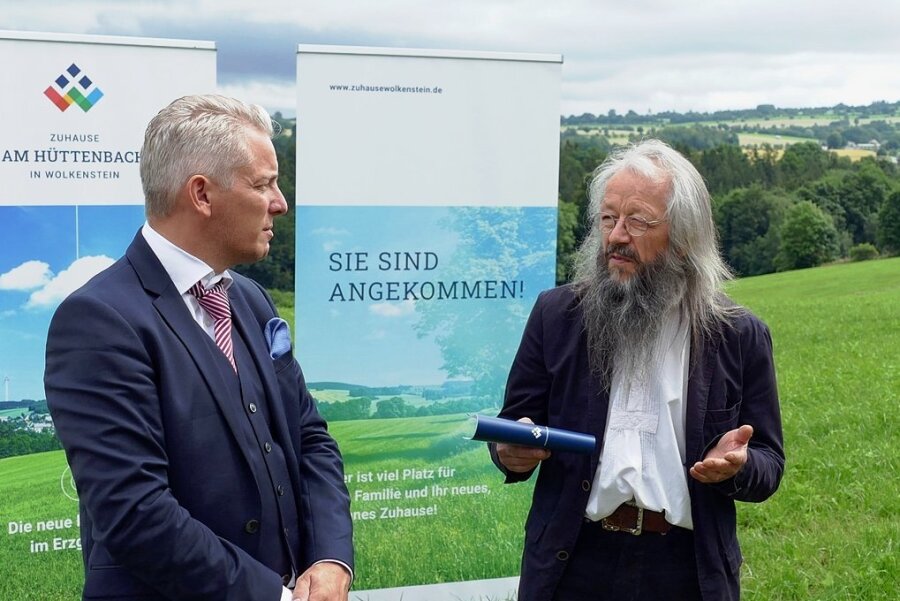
(645, 351)
(204, 470)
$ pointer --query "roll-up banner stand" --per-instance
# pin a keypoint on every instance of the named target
(74, 109)
(426, 227)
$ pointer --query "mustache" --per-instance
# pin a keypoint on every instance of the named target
(621, 250)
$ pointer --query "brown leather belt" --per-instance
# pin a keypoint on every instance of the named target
(630, 518)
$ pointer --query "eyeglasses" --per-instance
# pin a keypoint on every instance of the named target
(635, 226)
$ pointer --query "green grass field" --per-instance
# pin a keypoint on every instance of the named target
(473, 535)
(772, 140)
(831, 533)
(31, 491)
(14, 413)
(822, 119)
(855, 154)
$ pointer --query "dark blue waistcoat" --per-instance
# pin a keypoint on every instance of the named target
(278, 525)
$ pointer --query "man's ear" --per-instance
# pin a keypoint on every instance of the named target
(199, 188)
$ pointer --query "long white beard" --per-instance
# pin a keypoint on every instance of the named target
(623, 319)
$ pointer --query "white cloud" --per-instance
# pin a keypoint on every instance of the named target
(74, 19)
(637, 55)
(376, 335)
(330, 231)
(274, 96)
(27, 276)
(400, 309)
(68, 281)
(719, 80)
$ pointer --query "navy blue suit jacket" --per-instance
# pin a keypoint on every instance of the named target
(731, 382)
(170, 503)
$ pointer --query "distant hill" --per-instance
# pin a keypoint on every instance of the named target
(23, 404)
(450, 388)
(762, 111)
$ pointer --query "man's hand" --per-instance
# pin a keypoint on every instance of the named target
(517, 458)
(725, 459)
(325, 581)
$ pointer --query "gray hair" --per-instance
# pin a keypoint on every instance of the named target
(692, 231)
(196, 135)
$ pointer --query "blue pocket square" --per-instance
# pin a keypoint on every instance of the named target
(278, 337)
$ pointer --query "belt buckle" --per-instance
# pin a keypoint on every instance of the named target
(639, 522)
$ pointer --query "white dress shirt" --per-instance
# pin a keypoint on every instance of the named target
(186, 270)
(644, 450)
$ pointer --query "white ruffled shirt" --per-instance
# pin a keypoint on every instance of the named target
(644, 450)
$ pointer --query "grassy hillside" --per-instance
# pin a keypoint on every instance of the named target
(40, 565)
(831, 533)
(477, 526)
(832, 530)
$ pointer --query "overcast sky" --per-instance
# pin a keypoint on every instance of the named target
(644, 55)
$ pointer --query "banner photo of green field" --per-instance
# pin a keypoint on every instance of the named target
(51, 251)
(425, 227)
(403, 330)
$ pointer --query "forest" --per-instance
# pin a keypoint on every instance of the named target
(794, 203)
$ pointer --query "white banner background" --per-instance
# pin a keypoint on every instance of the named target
(137, 77)
(421, 170)
(490, 137)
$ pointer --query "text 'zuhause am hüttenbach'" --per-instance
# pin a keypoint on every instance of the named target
(54, 155)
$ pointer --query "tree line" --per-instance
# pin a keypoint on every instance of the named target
(775, 209)
(395, 407)
(17, 440)
(761, 112)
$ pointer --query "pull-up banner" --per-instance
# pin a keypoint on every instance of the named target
(426, 226)
(74, 109)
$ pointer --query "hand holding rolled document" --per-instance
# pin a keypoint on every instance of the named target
(496, 429)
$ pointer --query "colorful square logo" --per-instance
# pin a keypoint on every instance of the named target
(74, 87)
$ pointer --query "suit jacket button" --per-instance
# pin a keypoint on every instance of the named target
(251, 527)
(585, 485)
(252, 407)
(562, 555)
(268, 447)
(280, 490)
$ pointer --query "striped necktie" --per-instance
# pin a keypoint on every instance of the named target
(215, 302)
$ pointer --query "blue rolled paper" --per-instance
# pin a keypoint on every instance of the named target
(497, 429)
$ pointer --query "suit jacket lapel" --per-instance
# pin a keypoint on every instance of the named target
(598, 408)
(170, 305)
(698, 395)
(597, 402)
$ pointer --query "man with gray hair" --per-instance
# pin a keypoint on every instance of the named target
(203, 468)
(677, 383)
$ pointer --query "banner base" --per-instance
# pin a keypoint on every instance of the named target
(495, 589)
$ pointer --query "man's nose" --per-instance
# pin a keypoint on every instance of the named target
(619, 235)
(279, 204)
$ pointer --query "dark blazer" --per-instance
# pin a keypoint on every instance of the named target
(731, 382)
(170, 498)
